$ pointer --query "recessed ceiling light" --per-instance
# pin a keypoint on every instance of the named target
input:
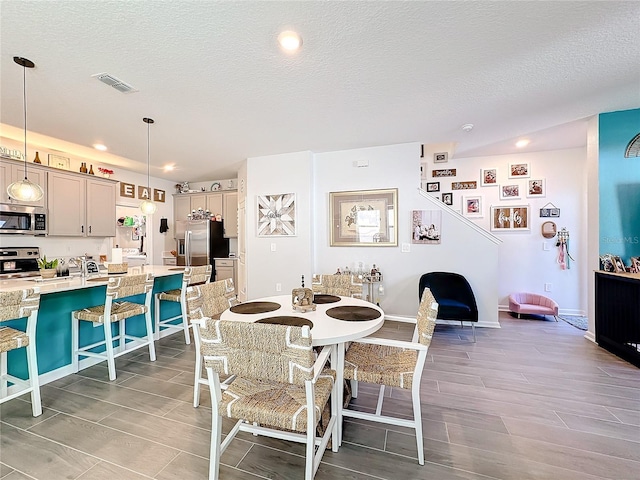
(99, 146)
(522, 143)
(169, 168)
(290, 40)
(467, 127)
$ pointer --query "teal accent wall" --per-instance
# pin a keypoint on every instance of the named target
(619, 185)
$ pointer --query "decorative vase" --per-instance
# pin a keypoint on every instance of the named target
(48, 272)
(91, 170)
(37, 159)
(83, 167)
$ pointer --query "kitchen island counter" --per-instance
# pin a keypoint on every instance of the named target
(61, 296)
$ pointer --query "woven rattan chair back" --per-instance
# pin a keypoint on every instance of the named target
(209, 300)
(126, 286)
(18, 304)
(426, 318)
(196, 275)
(342, 285)
(279, 353)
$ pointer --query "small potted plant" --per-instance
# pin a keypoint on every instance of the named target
(47, 268)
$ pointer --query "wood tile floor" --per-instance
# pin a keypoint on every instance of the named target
(532, 400)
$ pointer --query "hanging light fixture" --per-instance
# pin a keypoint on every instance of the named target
(148, 207)
(24, 190)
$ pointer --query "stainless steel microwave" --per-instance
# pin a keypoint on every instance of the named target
(23, 219)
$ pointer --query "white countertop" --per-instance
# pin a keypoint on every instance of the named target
(62, 284)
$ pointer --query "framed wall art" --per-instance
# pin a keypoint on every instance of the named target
(509, 192)
(488, 177)
(277, 215)
(426, 226)
(445, 172)
(432, 186)
(364, 218)
(447, 198)
(537, 188)
(464, 185)
(514, 218)
(440, 157)
(473, 206)
(58, 161)
(519, 170)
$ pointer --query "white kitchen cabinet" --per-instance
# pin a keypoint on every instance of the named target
(214, 203)
(80, 206)
(181, 207)
(225, 268)
(13, 171)
(230, 214)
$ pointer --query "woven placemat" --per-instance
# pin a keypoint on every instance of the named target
(287, 320)
(353, 313)
(322, 298)
(255, 307)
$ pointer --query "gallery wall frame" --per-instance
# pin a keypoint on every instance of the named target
(441, 157)
(510, 191)
(537, 188)
(488, 177)
(473, 206)
(426, 227)
(432, 186)
(276, 215)
(519, 170)
(364, 218)
(447, 198)
(515, 218)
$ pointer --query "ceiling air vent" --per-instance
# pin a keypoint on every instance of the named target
(115, 82)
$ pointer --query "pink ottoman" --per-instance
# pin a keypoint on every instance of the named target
(533, 304)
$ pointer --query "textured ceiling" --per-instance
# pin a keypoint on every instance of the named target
(369, 73)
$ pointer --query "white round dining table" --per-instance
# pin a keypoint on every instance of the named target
(326, 330)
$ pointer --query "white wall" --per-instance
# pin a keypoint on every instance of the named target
(288, 173)
(524, 265)
(463, 250)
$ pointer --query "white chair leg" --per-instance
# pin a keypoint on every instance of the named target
(156, 331)
(111, 362)
(380, 400)
(417, 418)
(354, 389)
(34, 381)
(75, 343)
(152, 345)
(185, 322)
(198, 367)
(3, 375)
(473, 329)
(216, 429)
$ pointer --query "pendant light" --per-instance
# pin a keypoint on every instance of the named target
(148, 207)
(24, 190)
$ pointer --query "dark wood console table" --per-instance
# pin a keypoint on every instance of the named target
(618, 314)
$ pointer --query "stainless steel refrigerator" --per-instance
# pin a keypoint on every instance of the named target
(199, 242)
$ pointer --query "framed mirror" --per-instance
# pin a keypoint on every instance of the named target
(549, 229)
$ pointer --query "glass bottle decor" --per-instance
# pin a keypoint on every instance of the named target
(37, 159)
(83, 167)
(91, 170)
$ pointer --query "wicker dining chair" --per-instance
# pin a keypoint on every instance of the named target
(280, 389)
(116, 312)
(342, 285)
(396, 364)
(191, 276)
(15, 305)
(207, 301)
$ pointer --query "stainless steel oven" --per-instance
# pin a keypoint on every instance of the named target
(23, 219)
(19, 262)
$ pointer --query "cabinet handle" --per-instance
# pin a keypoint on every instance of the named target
(89, 228)
(82, 229)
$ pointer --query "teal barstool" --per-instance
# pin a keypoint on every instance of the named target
(15, 305)
(192, 276)
(116, 312)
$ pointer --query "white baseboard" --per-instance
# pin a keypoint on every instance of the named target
(479, 323)
(590, 336)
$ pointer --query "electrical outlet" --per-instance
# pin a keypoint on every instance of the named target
(278, 287)
(273, 247)
(547, 287)
(406, 247)
(546, 246)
